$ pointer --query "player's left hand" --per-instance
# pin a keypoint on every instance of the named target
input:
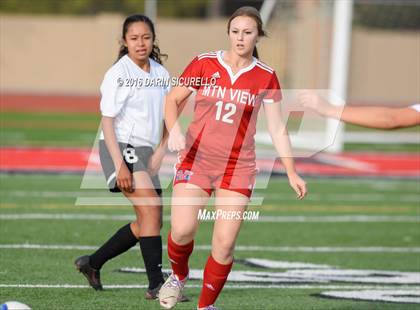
(298, 184)
(176, 141)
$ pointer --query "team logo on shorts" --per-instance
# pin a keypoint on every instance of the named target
(183, 175)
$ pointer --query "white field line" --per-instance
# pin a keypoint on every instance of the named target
(230, 286)
(101, 196)
(352, 197)
(241, 248)
(265, 219)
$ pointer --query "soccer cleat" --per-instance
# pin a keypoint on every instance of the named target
(171, 292)
(152, 294)
(92, 275)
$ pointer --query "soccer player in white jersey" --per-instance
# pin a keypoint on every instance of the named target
(366, 116)
(217, 155)
(132, 146)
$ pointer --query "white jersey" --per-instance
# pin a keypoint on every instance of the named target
(137, 108)
(416, 107)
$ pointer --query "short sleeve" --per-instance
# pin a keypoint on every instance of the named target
(416, 107)
(272, 93)
(191, 74)
(113, 93)
(166, 91)
(168, 83)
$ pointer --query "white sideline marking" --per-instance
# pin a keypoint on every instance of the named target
(243, 248)
(232, 286)
(264, 219)
(350, 197)
(340, 218)
(102, 197)
(306, 276)
(329, 249)
(275, 264)
(398, 296)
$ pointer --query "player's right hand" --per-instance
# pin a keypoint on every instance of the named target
(298, 185)
(124, 178)
(176, 141)
(311, 100)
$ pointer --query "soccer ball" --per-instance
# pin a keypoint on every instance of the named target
(14, 305)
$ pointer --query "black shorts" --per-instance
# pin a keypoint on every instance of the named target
(136, 159)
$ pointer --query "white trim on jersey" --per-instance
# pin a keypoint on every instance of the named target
(234, 77)
(268, 100)
(265, 67)
(416, 107)
(207, 55)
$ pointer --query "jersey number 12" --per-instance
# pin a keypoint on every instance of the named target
(229, 107)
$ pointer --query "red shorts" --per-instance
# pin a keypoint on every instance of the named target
(208, 175)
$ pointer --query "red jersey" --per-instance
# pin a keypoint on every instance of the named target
(225, 112)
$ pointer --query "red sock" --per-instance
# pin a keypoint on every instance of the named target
(179, 255)
(215, 276)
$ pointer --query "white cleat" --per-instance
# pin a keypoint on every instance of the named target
(171, 291)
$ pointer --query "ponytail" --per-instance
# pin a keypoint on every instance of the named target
(123, 51)
(255, 53)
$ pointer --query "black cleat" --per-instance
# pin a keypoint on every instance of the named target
(92, 275)
(152, 293)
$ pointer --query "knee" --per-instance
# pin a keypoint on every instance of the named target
(182, 235)
(222, 250)
(135, 229)
(155, 223)
(149, 216)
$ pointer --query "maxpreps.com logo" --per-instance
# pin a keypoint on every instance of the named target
(183, 175)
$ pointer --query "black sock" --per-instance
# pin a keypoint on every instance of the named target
(119, 243)
(151, 249)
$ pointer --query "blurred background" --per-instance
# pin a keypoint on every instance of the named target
(64, 47)
(363, 207)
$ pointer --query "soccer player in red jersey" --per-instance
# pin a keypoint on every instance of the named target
(218, 152)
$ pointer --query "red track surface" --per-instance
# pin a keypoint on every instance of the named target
(44, 159)
(49, 104)
(56, 160)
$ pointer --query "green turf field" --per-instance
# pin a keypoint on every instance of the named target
(347, 224)
(24, 197)
(48, 129)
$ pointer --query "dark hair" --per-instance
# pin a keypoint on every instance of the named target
(255, 15)
(156, 55)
